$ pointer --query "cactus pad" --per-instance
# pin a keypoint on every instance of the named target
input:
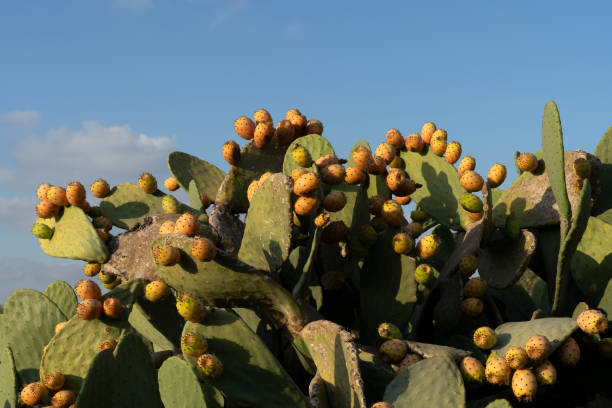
(427, 350)
(62, 294)
(592, 262)
(185, 167)
(158, 322)
(433, 382)
(267, 236)
(552, 148)
(335, 356)
(98, 381)
(74, 237)
(8, 379)
(316, 145)
(245, 358)
(603, 151)
(180, 388)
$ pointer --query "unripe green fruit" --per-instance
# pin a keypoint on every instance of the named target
(190, 308)
(389, 331)
(418, 215)
(147, 183)
(301, 156)
(468, 266)
(471, 203)
(170, 205)
(42, 231)
(209, 365)
(424, 274)
(402, 243)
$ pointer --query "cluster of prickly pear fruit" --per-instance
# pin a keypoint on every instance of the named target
(328, 237)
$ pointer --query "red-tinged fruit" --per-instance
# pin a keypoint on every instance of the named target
(112, 308)
(203, 249)
(33, 393)
(88, 289)
(485, 338)
(209, 365)
(245, 127)
(231, 152)
(194, 344)
(63, 399)
(89, 309)
(46, 209)
(107, 345)
(394, 138)
(75, 194)
(516, 357)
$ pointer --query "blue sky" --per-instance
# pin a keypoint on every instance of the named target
(108, 88)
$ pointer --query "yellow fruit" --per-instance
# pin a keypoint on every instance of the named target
(496, 175)
(314, 127)
(402, 243)
(262, 115)
(361, 156)
(392, 213)
(203, 249)
(438, 147)
(467, 163)
(307, 184)
(414, 142)
(527, 162)
(453, 152)
(471, 181)
(306, 205)
(245, 127)
(263, 133)
(395, 138)
(171, 184)
(231, 152)
(187, 224)
(354, 175)
(427, 131)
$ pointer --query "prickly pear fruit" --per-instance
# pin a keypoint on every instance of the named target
(299, 124)
(475, 287)
(285, 132)
(147, 183)
(527, 162)
(297, 173)
(546, 373)
(427, 131)
(568, 353)
(394, 138)
(485, 338)
(33, 393)
(428, 246)
(190, 307)
(582, 168)
(592, 321)
(439, 134)
(468, 266)
(107, 345)
(262, 115)
(333, 174)
(63, 399)
(292, 112)
(334, 201)
(403, 200)
(54, 380)
(104, 235)
(375, 204)
(89, 309)
(209, 365)
(361, 156)
(354, 175)
(402, 243)
(88, 289)
(322, 220)
(59, 327)
(334, 232)
(538, 348)
(376, 165)
(113, 284)
(85, 206)
(75, 193)
(409, 360)
(187, 224)
(424, 274)
(389, 331)
(170, 205)
(245, 127)
(252, 189)
(306, 185)
(414, 143)
(471, 181)
(231, 152)
(203, 249)
(414, 229)
(41, 191)
(42, 231)
(467, 163)
(394, 350)
(496, 175)
(438, 147)
(46, 209)
(166, 255)
(385, 151)
(57, 196)
(106, 278)
(327, 160)
(497, 371)
(516, 357)
(314, 126)
(453, 152)
(100, 188)
(194, 344)
(301, 156)
(392, 213)
(381, 404)
(263, 133)
(471, 306)
(471, 202)
(156, 291)
(306, 205)
(475, 216)
(112, 308)
(418, 215)
(524, 385)
(167, 227)
(171, 184)
(397, 163)
(472, 371)
(102, 222)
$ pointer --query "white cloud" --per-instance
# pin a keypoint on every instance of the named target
(25, 118)
(18, 212)
(115, 153)
(132, 4)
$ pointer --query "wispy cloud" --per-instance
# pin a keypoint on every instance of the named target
(93, 151)
(25, 118)
(132, 4)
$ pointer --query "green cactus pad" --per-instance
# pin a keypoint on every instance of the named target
(74, 237)
(27, 324)
(62, 294)
(375, 373)
(253, 163)
(467, 244)
(195, 201)
(267, 235)
(158, 322)
(225, 281)
(552, 147)
(316, 145)
(127, 205)
(97, 386)
(258, 321)
(592, 262)
(245, 358)
(605, 302)
(73, 349)
(136, 379)
(335, 356)
(185, 167)
(384, 269)
(427, 350)
(516, 334)
(603, 151)
(439, 196)
(499, 403)
(180, 388)
(433, 382)
(317, 392)
(504, 261)
(8, 379)
(536, 288)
